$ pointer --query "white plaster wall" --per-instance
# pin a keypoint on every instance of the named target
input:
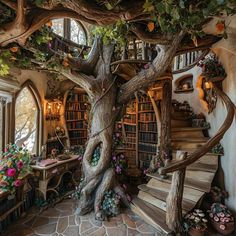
(226, 52)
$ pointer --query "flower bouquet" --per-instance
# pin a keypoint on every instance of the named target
(14, 164)
(119, 163)
(195, 223)
(221, 219)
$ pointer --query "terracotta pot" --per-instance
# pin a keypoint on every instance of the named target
(196, 232)
(229, 227)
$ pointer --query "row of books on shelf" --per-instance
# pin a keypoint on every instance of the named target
(147, 147)
(76, 125)
(144, 99)
(145, 156)
(76, 142)
(147, 116)
(130, 139)
(147, 137)
(146, 107)
(77, 133)
(77, 97)
(152, 127)
(130, 145)
(130, 119)
(130, 128)
(75, 115)
(71, 106)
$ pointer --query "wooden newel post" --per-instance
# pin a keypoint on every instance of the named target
(166, 107)
(175, 197)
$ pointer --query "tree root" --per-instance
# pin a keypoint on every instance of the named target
(92, 194)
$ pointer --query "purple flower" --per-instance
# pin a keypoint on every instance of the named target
(114, 158)
(118, 169)
(117, 135)
(80, 158)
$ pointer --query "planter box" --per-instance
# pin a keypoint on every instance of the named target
(229, 227)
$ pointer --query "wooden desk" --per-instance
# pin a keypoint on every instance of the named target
(45, 174)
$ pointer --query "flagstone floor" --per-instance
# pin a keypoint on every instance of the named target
(62, 221)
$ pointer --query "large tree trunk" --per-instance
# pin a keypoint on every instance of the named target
(100, 178)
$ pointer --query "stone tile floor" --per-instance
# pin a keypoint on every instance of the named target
(62, 221)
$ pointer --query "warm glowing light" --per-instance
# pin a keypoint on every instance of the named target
(207, 85)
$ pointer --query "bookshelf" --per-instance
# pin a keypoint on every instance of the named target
(76, 116)
(147, 131)
(138, 128)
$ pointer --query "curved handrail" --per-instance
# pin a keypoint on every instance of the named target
(210, 143)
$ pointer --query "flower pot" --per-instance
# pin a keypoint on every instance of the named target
(228, 227)
(196, 232)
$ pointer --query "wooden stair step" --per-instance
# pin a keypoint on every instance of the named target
(180, 123)
(151, 214)
(191, 150)
(189, 182)
(206, 159)
(201, 176)
(158, 194)
(191, 140)
(190, 193)
(186, 129)
(203, 167)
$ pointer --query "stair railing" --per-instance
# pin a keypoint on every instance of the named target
(173, 206)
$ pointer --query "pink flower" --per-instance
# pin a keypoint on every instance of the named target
(222, 227)
(222, 214)
(17, 183)
(20, 164)
(114, 158)
(124, 186)
(222, 219)
(80, 158)
(146, 66)
(216, 219)
(11, 172)
(117, 135)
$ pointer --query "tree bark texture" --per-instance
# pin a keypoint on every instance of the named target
(175, 197)
(166, 107)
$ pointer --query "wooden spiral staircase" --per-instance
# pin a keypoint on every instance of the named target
(159, 201)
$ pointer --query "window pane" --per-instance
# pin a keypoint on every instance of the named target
(26, 112)
(77, 33)
(58, 26)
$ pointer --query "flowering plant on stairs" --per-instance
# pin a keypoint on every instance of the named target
(221, 218)
(14, 164)
(195, 221)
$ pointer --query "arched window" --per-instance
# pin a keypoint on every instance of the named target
(27, 119)
(70, 29)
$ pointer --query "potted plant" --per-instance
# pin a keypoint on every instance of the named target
(14, 165)
(221, 219)
(212, 68)
(195, 223)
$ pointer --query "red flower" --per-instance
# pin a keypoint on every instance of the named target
(20, 164)
(17, 183)
(11, 172)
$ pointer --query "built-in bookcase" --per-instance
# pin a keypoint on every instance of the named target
(138, 128)
(147, 131)
(76, 109)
